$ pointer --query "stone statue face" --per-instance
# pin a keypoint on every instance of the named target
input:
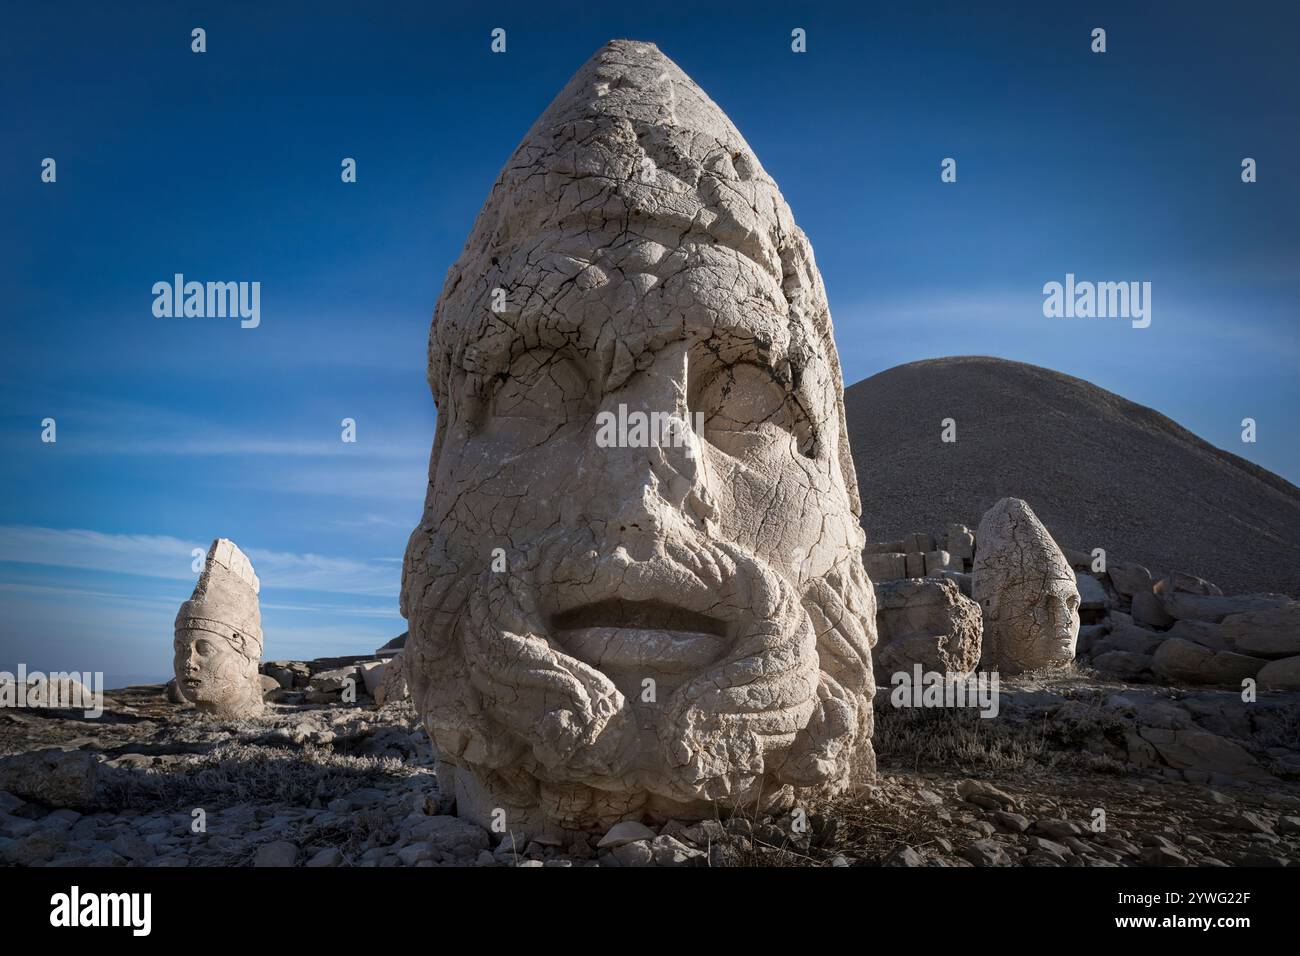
(637, 585)
(210, 672)
(1027, 590)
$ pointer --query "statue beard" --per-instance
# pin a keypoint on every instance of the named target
(787, 704)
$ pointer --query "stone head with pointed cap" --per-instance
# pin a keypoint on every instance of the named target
(218, 636)
(637, 587)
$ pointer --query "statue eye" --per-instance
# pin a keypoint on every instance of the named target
(540, 385)
(203, 646)
(746, 409)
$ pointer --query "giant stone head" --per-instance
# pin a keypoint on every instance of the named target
(218, 637)
(637, 587)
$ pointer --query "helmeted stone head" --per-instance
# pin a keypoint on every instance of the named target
(218, 642)
(637, 587)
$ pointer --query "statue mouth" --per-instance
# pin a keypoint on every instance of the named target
(652, 636)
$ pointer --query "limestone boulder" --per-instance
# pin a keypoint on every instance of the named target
(961, 542)
(885, 566)
(1125, 665)
(1193, 749)
(926, 621)
(1129, 579)
(1201, 632)
(1274, 632)
(1129, 637)
(1092, 595)
(1281, 675)
(1179, 660)
(1180, 581)
(391, 685)
(57, 778)
(1026, 590)
(1149, 611)
(1185, 606)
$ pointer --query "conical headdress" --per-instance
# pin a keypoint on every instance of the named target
(225, 599)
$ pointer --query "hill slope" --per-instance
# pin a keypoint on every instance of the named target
(1099, 470)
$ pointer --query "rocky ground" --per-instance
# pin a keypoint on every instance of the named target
(1076, 769)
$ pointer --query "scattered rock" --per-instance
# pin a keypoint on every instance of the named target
(626, 832)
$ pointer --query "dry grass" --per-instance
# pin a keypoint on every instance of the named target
(235, 773)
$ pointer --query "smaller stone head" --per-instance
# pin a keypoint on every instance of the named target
(218, 639)
(1026, 590)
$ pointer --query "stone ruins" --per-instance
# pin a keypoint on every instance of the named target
(219, 637)
(668, 631)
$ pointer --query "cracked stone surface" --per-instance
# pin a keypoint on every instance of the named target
(218, 640)
(1026, 589)
(654, 628)
(926, 621)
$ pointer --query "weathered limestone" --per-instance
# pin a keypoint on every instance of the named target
(1281, 675)
(1129, 579)
(925, 622)
(940, 560)
(1026, 590)
(392, 685)
(885, 566)
(1187, 606)
(961, 542)
(1274, 632)
(1149, 610)
(58, 778)
(1180, 660)
(608, 622)
(218, 639)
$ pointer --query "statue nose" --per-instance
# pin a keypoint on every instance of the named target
(652, 475)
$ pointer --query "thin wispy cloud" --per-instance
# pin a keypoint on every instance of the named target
(167, 557)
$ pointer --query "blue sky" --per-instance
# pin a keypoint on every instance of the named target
(225, 166)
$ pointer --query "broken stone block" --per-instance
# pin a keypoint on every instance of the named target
(1184, 583)
(883, 547)
(961, 544)
(1281, 675)
(1129, 579)
(1130, 637)
(1179, 660)
(57, 778)
(1274, 632)
(918, 541)
(927, 622)
(939, 560)
(1184, 606)
(392, 682)
(1125, 665)
(960, 578)
(1202, 750)
(886, 566)
(1201, 632)
(1149, 611)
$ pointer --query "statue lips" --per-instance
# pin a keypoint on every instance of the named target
(647, 635)
(619, 618)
